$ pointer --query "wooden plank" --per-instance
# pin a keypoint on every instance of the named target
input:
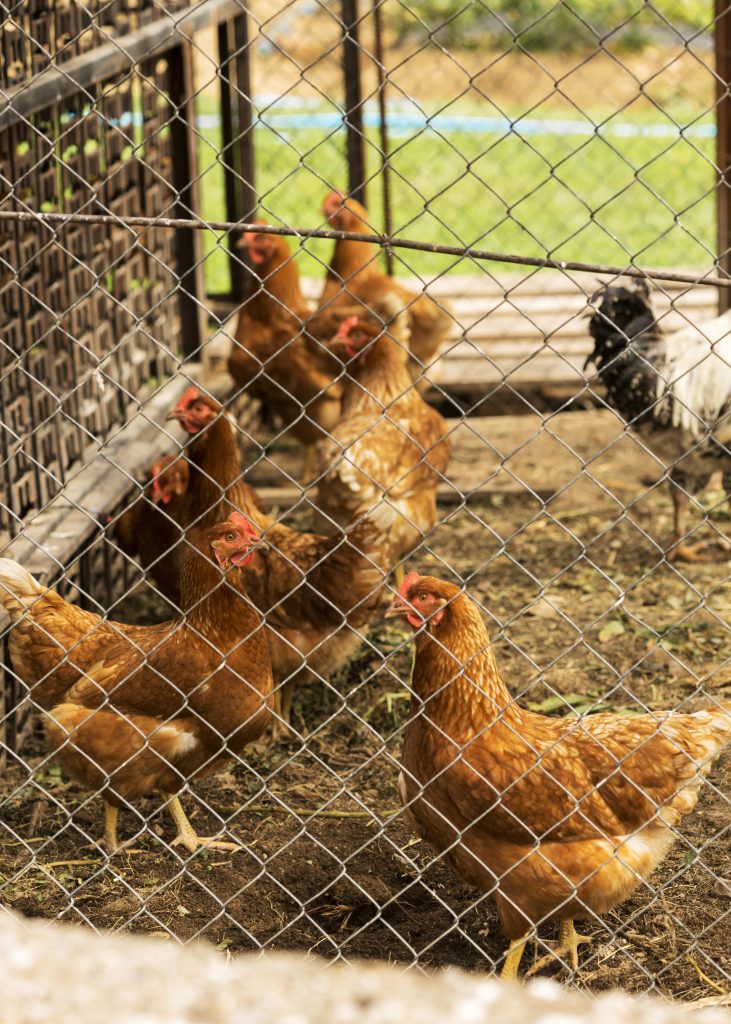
(53, 536)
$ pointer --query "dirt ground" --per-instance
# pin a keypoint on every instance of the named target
(328, 866)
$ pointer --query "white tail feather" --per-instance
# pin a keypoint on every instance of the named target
(17, 587)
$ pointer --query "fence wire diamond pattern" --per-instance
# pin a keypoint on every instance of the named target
(285, 497)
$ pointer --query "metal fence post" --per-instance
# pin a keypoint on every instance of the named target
(353, 102)
(383, 129)
(238, 134)
(184, 172)
(723, 142)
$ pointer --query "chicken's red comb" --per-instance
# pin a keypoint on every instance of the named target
(240, 521)
(408, 581)
(346, 326)
(191, 394)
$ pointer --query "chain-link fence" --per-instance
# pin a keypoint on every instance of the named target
(230, 443)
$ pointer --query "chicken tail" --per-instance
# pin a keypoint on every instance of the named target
(18, 589)
(712, 731)
(700, 738)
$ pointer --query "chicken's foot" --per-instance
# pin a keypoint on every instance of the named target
(682, 552)
(187, 835)
(679, 550)
(282, 711)
(569, 941)
(513, 958)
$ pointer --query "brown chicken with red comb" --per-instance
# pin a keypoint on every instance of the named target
(390, 445)
(318, 593)
(354, 275)
(148, 529)
(559, 818)
(275, 356)
(130, 714)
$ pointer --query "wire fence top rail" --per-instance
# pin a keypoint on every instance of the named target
(384, 241)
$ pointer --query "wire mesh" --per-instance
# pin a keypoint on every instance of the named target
(444, 422)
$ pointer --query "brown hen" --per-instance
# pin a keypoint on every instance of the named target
(150, 709)
(389, 445)
(318, 594)
(559, 818)
(273, 358)
(354, 274)
(148, 529)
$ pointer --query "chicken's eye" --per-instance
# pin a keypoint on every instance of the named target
(230, 537)
(422, 597)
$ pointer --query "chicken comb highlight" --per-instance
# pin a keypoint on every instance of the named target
(407, 583)
(332, 198)
(190, 395)
(346, 326)
(158, 471)
(242, 523)
(156, 492)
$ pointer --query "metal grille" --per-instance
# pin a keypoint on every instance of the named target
(136, 142)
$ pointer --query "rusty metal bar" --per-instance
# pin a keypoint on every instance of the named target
(229, 153)
(188, 224)
(355, 138)
(243, 115)
(723, 141)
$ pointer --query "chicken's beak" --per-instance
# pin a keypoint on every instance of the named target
(397, 609)
(175, 414)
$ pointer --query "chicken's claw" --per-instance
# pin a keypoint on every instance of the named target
(194, 842)
(189, 838)
(568, 944)
(682, 552)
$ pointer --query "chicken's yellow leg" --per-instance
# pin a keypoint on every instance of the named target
(111, 817)
(513, 958)
(569, 941)
(399, 574)
(187, 835)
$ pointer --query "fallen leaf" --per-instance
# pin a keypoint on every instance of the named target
(609, 630)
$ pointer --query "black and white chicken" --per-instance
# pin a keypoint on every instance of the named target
(674, 390)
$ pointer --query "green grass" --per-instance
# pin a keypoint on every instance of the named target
(603, 200)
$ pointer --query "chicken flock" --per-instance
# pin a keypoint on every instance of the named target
(558, 819)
